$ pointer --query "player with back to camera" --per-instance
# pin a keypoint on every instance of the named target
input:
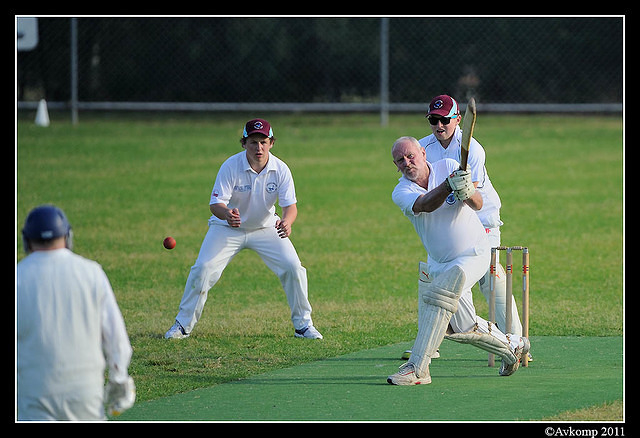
(242, 205)
(439, 200)
(69, 329)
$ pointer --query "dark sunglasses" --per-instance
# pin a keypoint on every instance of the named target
(434, 120)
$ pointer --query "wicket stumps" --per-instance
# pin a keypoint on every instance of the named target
(509, 292)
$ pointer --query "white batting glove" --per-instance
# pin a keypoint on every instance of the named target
(459, 179)
(119, 396)
(460, 183)
(465, 192)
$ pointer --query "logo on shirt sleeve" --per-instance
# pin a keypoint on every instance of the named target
(451, 199)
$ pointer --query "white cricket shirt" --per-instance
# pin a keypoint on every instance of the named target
(489, 214)
(254, 194)
(68, 322)
(451, 230)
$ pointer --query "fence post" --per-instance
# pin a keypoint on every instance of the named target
(74, 71)
(384, 71)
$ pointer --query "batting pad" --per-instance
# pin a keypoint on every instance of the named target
(440, 301)
(486, 342)
(424, 279)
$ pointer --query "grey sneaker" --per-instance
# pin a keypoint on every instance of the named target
(407, 376)
(176, 332)
(523, 348)
(308, 332)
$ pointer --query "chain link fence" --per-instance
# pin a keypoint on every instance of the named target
(332, 63)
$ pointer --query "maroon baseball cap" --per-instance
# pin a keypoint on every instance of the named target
(444, 106)
(257, 126)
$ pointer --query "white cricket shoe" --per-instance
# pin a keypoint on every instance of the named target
(176, 332)
(309, 332)
(523, 348)
(407, 376)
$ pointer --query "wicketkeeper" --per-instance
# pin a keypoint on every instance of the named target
(440, 200)
(444, 142)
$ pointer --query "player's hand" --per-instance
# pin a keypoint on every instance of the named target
(460, 183)
(465, 192)
(459, 179)
(119, 396)
(233, 218)
(283, 228)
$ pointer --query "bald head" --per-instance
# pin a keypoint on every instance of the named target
(405, 141)
(410, 159)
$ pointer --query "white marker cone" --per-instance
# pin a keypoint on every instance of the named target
(42, 116)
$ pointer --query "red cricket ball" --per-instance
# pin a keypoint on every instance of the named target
(169, 242)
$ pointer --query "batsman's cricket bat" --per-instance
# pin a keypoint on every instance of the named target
(468, 124)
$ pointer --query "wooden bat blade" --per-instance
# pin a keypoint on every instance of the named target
(468, 124)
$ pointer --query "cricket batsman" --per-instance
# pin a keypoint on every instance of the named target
(441, 201)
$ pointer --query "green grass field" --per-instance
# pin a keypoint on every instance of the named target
(126, 181)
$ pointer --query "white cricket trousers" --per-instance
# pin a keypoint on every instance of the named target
(220, 246)
(474, 264)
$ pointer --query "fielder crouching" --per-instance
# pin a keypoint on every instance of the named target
(440, 201)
